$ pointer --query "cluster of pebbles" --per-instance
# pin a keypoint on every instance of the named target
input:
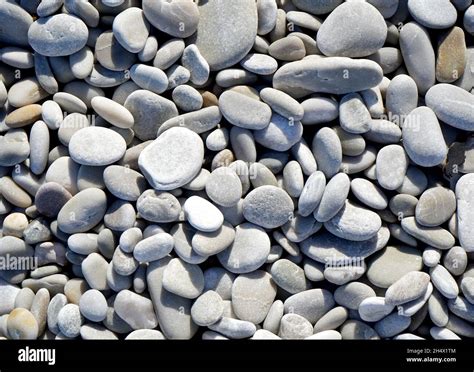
(265, 169)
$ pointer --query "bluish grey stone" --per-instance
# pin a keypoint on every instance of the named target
(58, 35)
(355, 37)
(225, 46)
(335, 75)
(433, 14)
(327, 151)
(452, 105)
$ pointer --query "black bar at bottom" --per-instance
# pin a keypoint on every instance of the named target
(244, 355)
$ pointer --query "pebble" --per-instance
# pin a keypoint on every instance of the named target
(252, 296)
(71, 32)
(234, 328)
(444, 282)
(202, 214)
(259, 64)
(391, 166)
(356, 37)
(70, 320)
(248, 251)
(451, 57)
(136, 310)
(311, 194)
(290, 48)
(428, 152)
(352, 294)
(14, 147)
(416, 46)
(433, 14)
(149, 78)
(134, 41)
(145, 334)
(409, 287)
(434, 236)
(94, 269)
(93, 305)
(243, 111)
(83, 211)
(207, 309)
(179, 19)
(187, 98)
(268, 206)
(295, 327)
(311, 304)
(392, 325)
(392, 263)
(354, 223)
(368, 193)
(153, 248)
(96, 146)
(333, 199)
(323, 75)
(242, 21)
(319, 110)
(464, 201)
(166, 164)
(22, 325)
(197, 65)
(435, 206)
(289, 276)
(401, 97)
(373, 309)
(327, 149)
(18, 35)
(39, 144)
(283, 104)
(113, 112)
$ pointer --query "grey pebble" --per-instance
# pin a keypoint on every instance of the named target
(207, 309)
(153, 248)
(327, 150)
(289, 276)
(73, 28)
(391, 166)
(136, 310)
(352, 294)
(409, 287)
(70, 320)
(234, 328)
(334, 198)
(294, 327)
(93, 305)
(444, 282)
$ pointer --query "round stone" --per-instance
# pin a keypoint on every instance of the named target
(368, 193)
(409, 287)
(124, 183)
(435, 206)
(451, 105)
(22, 325)
(355, 37)
(131, 38)
(283, 104)
(289, 276)
(83, 211)
(312, 193)
(145, 334)
(451, 58)
(14, 147)
(268, 206)
(352, 294)
(415, 45)
(433, 13)
(210, 243)
(93, 305)
(223, 47)
(253, 295)
(465, 201)
(391, 264)
(244, 111)
(280, 135)
(113, 112)
(158, 206)
(153, 248)
(176, 18)
(311, 304)
(334, 198)
(373, 309)
(391, 166)
(70, 320)
(58, 35)
(249, 250)
(290, 48)
(354, 223)
(167, 163)
(187, 98)
(295, 327)
(149, 111)
(14, 14)
(327, 150)
(111, 55)
(137, 311)
(426, 152)
(207, 309)
(184, 279)
(96, 146)
(202, 214)
(224, 187)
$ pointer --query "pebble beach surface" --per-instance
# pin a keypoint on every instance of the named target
(246, 169)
